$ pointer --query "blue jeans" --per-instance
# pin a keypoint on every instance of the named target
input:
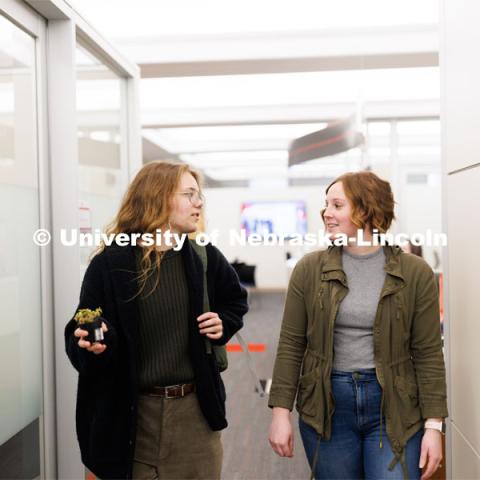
(354, 452)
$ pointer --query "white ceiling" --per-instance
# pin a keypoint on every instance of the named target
(131, 19)
(227, 85)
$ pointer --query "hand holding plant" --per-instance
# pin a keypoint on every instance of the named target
(91, 330)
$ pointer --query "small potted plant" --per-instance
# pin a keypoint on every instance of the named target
(91, 321)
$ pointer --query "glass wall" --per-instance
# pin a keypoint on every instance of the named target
(101, 117)
(20, 288)
(407, 153)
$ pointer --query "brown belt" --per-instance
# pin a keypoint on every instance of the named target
(172, 391)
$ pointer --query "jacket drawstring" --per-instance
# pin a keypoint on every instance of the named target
(381, 420)
(400, 457)
(315, 459)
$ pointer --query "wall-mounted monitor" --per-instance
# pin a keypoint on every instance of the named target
(281, 218)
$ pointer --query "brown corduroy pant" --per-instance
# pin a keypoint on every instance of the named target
(174, 441)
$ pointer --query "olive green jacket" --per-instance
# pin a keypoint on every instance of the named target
(407, 344)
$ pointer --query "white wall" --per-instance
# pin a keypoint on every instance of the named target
(460, 74)
(222, 212)
(418, 206)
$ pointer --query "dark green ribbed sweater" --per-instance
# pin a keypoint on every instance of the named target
(163, 349)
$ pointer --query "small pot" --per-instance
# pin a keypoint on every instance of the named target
(94, 329)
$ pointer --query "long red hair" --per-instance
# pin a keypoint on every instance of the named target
(146, 208)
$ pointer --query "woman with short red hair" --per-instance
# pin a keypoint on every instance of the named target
(360, 348)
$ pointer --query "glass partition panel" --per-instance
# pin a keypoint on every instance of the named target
(20, 287)
(101, 140)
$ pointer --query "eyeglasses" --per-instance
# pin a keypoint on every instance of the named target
(193, 196)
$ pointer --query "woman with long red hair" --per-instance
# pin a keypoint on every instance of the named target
(151, 402)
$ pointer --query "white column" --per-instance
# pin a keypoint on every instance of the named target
(66, 260)
(460, 76)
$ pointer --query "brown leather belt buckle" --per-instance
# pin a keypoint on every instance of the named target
(172, 391)
(175, 389)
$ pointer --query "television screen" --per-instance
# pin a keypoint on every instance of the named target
(280, 218)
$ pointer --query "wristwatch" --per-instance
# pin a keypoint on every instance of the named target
(440, 426)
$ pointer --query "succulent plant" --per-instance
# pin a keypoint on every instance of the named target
(85, 315)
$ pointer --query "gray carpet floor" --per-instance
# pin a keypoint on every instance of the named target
(247, 452)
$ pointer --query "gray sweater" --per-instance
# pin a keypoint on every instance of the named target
(353, 335)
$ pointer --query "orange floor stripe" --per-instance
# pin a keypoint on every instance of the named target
(256, 347)
(90, 476)
(252, 347)
(234, 347)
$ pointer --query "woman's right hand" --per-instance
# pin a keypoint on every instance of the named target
(281, 432)
(96, 347)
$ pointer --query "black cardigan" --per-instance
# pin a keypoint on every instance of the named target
(107, 394)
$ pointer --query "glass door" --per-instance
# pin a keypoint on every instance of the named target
(21, 364)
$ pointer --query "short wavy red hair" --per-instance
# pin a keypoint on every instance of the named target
(371, 199)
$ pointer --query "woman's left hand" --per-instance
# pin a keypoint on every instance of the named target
(211, 325)
(431, 452)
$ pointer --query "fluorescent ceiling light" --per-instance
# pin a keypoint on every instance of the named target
(378, 128)
(378, 152)
(320, 172)
(234, 132)
(356, 86)
(377, 141)
(326, 167)
(243, 159)
(420, 150)
(419, 127)
(419, 140)
(229, 138)
(241, 173)
(101, 136)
